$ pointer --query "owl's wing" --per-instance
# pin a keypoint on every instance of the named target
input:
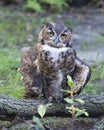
(30, 74)
(27, 67)
(81, 75)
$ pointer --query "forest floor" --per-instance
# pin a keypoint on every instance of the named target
(19, 29)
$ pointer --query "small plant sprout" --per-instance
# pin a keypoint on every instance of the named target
(39, 125)
(75, 111)
(42, 109)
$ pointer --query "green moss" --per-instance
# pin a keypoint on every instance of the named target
(96, 83)
(10, 78)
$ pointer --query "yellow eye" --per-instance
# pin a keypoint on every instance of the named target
(63, 36)
(50, 33)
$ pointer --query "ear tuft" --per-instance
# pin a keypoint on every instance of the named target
(48, 24)
(70, 29)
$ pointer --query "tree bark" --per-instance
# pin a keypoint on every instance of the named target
(56, 123)
(11, 107)
(99, 125)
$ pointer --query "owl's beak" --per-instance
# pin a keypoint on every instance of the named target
(57, 40)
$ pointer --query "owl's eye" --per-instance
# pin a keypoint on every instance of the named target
(50, 33)
(63, 36)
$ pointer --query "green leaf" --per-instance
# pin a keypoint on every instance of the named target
(66, 91)
(34, 5)
(86, 113)
(80, 112)
(80, 101)
(70, 82)
(77, 109)
(36, 127)
(36, 120)
(69, 109)
(48, 104)
(42, 109)
(69, 100)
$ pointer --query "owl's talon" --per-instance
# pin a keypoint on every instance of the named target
(50, 99)
(36, 90)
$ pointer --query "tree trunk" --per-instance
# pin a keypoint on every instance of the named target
(11, 107)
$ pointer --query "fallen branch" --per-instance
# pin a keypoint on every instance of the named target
(11, 107)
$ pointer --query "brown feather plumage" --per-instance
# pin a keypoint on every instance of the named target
(44, 67)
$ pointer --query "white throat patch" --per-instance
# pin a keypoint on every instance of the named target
(55, 52)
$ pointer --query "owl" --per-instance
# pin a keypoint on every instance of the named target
(45, 66)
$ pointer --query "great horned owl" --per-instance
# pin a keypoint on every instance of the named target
(45, 66)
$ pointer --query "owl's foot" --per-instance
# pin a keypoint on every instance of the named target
(36, 90)
(57, 98)
(50, 99)
(33, 92)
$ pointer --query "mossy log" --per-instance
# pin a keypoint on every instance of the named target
(11, 107)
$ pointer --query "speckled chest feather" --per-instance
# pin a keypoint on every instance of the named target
(54, 64)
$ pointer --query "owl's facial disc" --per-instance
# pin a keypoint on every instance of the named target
(56, 35)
